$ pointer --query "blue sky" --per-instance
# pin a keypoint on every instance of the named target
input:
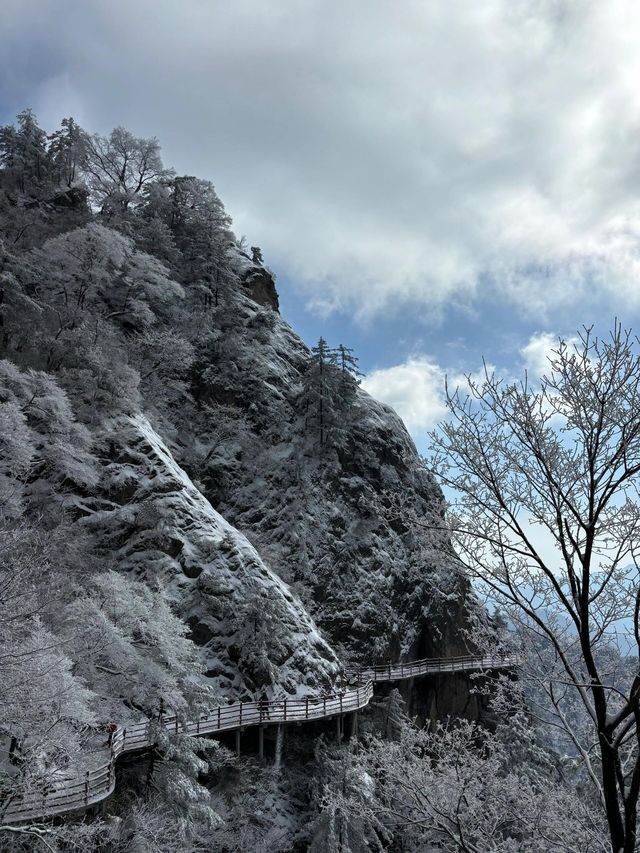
(432, 182)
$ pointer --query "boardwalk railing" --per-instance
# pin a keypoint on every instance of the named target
(432, 666)
(69, 792)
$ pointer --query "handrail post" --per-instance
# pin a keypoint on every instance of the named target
(86, 788)
(240, 719)
(285, 710)
(306, 708)
(218, 716)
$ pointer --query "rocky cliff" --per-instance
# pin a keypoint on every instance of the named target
(254, 634)
(322, 516)
(196, 506)
(216, 488)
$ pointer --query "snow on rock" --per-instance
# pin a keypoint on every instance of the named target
(254, 633)
(379, 588)
(256, 279)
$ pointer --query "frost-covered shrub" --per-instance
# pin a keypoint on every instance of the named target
(137, 651)
(44, 451)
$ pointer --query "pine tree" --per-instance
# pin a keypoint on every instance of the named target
(67, 152)
(320, 386)
(329, 389)
(23, 153)
(200, 226)
(257, 637)
(340, 795)
(349, 374)
(347, 361)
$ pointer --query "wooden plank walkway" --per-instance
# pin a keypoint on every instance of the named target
(67, 793)
(431, 666)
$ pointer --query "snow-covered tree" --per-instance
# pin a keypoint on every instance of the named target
(462, 789)
(150, 824)
(343, 796)
(164, 361)
(134, 648)
(44, 452)
(329, 389)
(44, 706)
(119, 167)
(67, 153)
(155, 237)
(347, 361)
(96, 272)
(23, 153)
(319, 386)
(20, 314)
(256, 636)
(175, 778)
(547, 523)
(200, 232)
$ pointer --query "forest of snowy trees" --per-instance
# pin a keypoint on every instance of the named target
(142, 389)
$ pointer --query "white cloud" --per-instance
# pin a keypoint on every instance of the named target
(536, 352)
(539, 349)
(415, 389)
(431, 154)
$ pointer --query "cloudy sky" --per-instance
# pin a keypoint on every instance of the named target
(432, 181)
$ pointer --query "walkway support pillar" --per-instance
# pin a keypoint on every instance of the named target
(237, 741)
(339, 720)
(261, 743)
(277, 761)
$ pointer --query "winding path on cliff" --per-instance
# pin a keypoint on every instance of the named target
(73, 792)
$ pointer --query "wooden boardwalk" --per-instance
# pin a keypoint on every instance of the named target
(67, 793)
(431, 666)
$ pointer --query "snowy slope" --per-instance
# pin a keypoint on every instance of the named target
(162, 529)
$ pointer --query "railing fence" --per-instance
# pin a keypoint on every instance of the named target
(68, 793)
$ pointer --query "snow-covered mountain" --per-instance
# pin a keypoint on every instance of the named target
(195, 507)
(205, 437)
(319, 516)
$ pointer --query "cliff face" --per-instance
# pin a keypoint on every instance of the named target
(254, 634)
(321, 516)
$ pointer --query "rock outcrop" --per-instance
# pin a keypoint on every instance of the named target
(379, 588)
(254, 633)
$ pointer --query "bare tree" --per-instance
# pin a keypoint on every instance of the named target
(462, 789)
(546, 521)
(120, 166)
